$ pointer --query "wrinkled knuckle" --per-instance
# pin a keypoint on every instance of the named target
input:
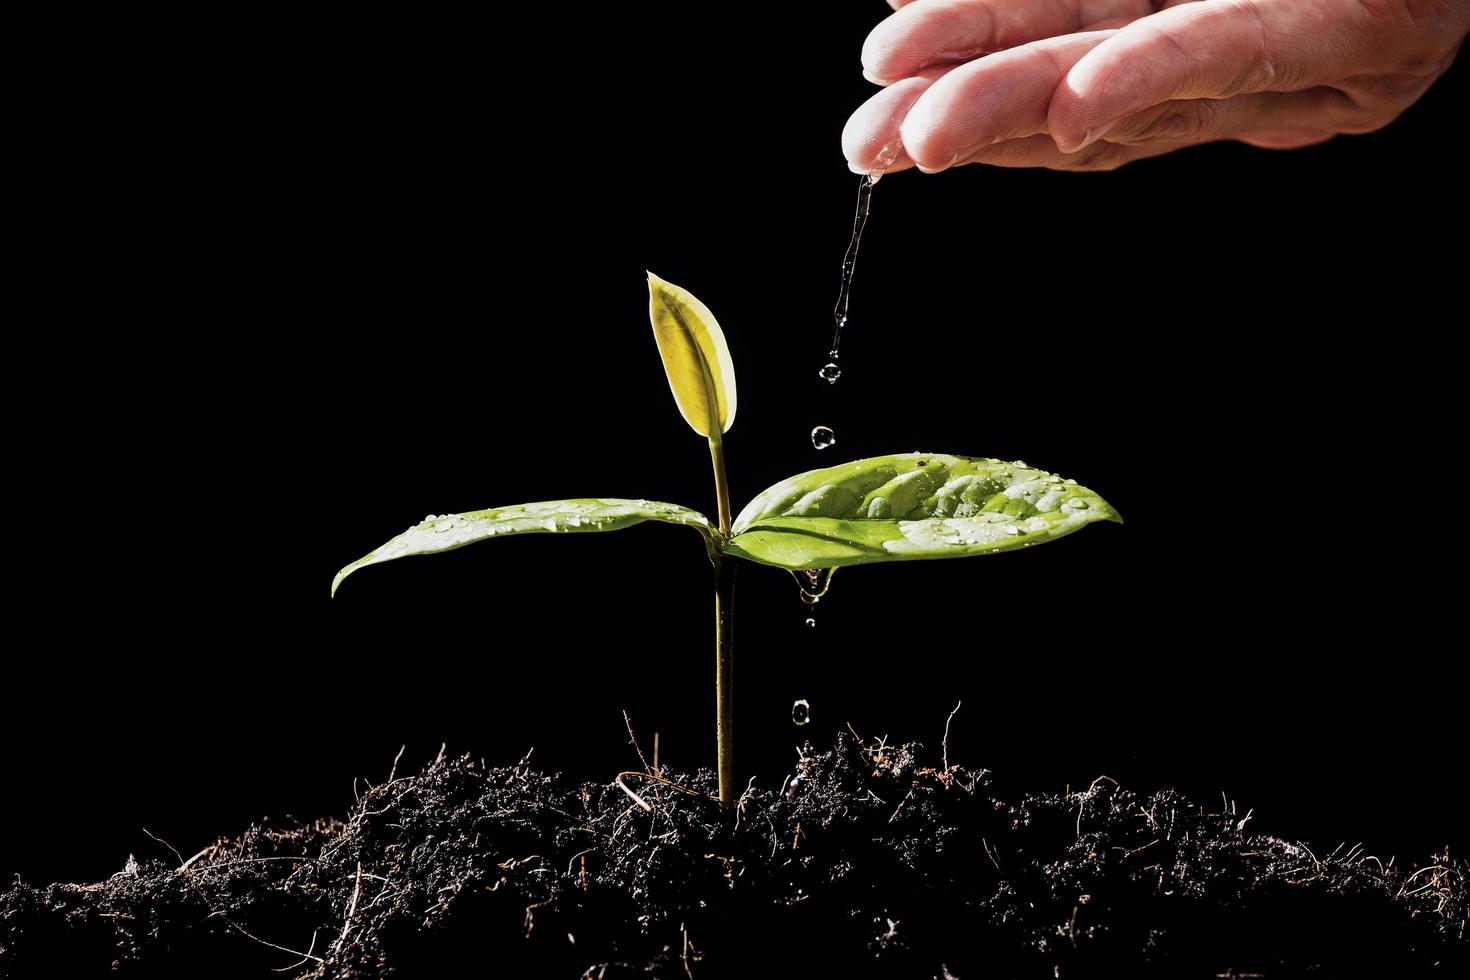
(1173, 122)
(1098, 158)
(1402, 86)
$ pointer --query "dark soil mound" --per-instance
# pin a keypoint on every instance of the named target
(866, 863)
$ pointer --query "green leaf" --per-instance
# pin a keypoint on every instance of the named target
(695, 356)
(910, 506)
(450, 531)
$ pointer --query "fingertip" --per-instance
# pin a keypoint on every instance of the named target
(1090, 136)
(1071, 114)
(928, 131)
(923, 149)
(874, 126)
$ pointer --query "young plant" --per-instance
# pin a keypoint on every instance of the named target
(888, 508)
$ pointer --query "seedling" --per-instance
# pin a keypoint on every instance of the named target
(888, 508)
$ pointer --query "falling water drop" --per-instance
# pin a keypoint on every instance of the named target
(885, 158)
(830, 373)
(822, 437)
(881, 163)
(813, 583)
(811, 623)
(801, 712)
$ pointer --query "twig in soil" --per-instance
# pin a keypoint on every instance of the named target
(164, 843)
(991, 854)
(574, 857)
(1129, 854)
(266, 942)
(901, 802)
(636, 798)
(393, 770)
(945, 744)
(1082, 798)
(634, 739)
(301, 962)
(231, 864)
(666, 782)
(351, 911)
(530, 915)
(204, 853)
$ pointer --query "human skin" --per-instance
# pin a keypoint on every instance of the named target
(1095, 84)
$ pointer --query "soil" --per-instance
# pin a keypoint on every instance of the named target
(867, 862)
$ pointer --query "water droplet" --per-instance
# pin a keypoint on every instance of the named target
(801, 711)
(822, 437)
(830, 373)
(1010, 529)
(849, 258)
(885, 158)
(813, 583)
(811, 623)
(1077, 503)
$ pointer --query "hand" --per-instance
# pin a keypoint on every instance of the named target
(1094, 84)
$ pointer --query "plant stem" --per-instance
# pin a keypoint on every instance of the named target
(722, 485)
(724, 636)
(725, 677)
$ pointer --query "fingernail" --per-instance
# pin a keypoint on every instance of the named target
(875, 79)
(1091, 137)
(952, 161)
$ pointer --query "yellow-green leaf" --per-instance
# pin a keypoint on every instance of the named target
(695, 357)
(450, 531)
(911, 506)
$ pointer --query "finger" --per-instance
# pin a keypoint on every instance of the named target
(999, 97)
(876, 122)
(930, 32)
(1314, 111)
(1202, 50)
(1040, 151)
(1285, 139)
(895, 4)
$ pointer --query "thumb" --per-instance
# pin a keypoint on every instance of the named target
(1205, 51)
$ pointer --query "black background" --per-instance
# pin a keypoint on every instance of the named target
(405, 275)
